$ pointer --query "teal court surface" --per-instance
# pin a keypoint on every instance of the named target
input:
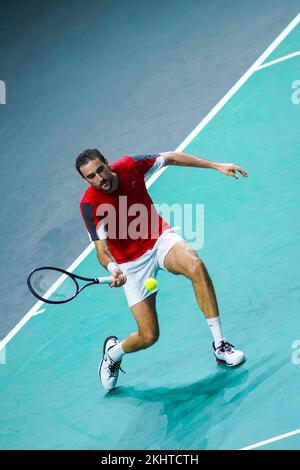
(174, 395)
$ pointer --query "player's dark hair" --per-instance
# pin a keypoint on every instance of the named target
(86, 156)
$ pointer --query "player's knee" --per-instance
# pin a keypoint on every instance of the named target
(149, 338)
(196, 269)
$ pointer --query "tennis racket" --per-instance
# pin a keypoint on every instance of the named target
(57, 286)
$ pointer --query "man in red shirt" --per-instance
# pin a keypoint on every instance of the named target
(134, 248)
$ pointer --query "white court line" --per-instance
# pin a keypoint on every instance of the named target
(35, 309)
(183, 144)
(273, 439)
(3, 356)
(276, 61)
(232, 91)
(39, 312)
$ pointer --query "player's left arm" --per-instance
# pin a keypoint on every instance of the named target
(183, 159)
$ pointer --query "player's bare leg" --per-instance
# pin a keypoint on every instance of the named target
(145, 315)
(182, 259)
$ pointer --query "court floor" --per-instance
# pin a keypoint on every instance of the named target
(174, 395)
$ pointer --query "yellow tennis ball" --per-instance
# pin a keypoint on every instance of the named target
(150, 283)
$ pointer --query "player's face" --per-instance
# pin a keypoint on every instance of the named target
(98, 175)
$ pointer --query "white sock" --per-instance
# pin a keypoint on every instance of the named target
(216, 329)
(116, 352)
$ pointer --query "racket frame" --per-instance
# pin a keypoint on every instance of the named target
(74, 277)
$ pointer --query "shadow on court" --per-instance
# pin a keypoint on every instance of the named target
(192, 412)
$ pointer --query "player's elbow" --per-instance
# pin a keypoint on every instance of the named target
(168, 158)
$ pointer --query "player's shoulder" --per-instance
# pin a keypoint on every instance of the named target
(145, 156)
(132, 159)
(126, 160)
(88, 196)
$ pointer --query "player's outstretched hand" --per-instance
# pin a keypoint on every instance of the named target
(119, 278)
(230, 169)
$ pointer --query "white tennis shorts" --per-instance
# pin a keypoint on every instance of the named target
(148, 265)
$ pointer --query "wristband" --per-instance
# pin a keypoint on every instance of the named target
(112, 266)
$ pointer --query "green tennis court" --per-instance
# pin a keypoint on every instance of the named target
(174, 395)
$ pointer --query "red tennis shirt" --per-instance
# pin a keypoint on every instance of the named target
(127, 218)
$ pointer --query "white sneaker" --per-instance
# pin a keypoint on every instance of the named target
(108, 369)
(225, 353)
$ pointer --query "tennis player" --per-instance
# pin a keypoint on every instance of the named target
(132, 256)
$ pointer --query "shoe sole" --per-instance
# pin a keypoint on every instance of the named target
(103, 353)
(220, 362)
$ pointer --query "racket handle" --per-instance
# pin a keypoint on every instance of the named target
(105, 279)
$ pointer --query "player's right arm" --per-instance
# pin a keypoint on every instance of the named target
(107, 260)
(99, 237)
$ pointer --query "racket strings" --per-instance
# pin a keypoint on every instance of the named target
(51, 284)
